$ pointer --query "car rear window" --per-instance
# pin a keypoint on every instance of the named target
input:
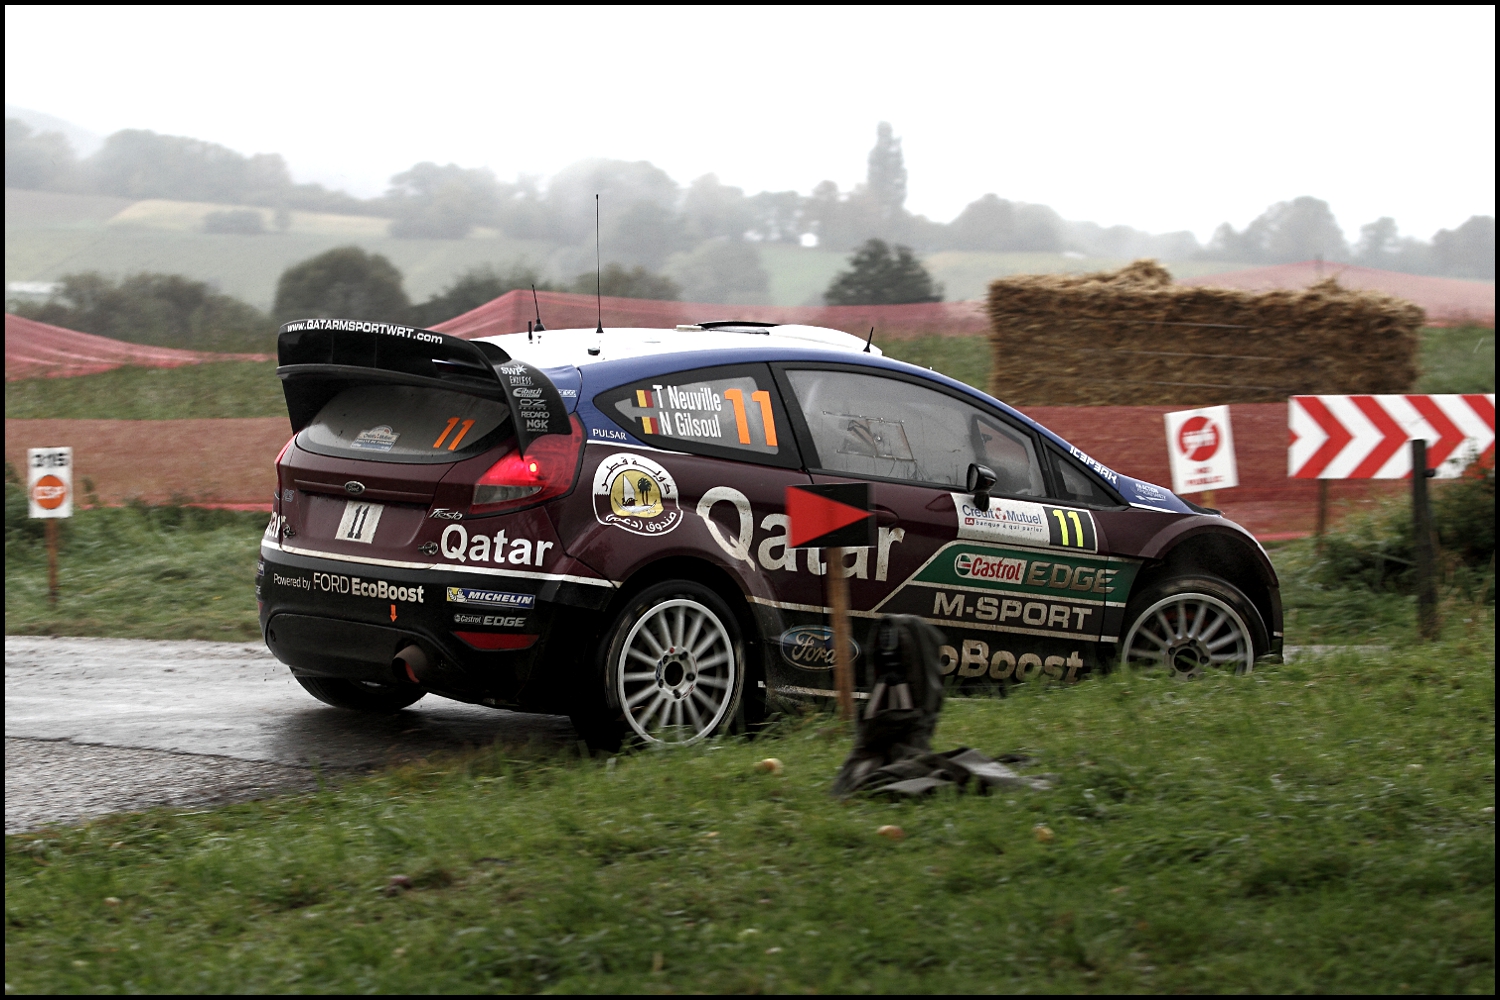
(385, 423)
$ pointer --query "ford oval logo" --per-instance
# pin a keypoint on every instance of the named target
(810, 647)
(354, 487)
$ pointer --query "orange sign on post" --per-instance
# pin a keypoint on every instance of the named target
(49, 494)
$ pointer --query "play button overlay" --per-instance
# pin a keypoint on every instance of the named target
(829, 516)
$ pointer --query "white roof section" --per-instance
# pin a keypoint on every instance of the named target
(553, 348)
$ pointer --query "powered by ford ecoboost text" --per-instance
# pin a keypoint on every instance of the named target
(594, 524)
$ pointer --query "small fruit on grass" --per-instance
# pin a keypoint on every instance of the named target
(891, 832)
(1043, 833)
(769, 766)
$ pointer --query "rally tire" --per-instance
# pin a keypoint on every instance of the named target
(672, 670)
(1189, 625)
(361, 696)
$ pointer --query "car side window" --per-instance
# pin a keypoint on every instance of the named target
(1075, 484)
(734, 412)
(872, 426)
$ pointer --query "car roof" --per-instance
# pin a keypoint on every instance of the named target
(584, 347)
(622, 355)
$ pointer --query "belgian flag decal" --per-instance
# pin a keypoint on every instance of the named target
(650, 424)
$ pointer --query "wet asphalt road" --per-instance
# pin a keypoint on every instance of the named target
(95, 726)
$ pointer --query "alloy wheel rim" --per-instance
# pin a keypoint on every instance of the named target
(1186, 634)
(676, 673)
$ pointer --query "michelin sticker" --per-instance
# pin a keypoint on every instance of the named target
(1019, 522)
(493, 598)
(637, 494)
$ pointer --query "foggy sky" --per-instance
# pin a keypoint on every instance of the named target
(1159, 118)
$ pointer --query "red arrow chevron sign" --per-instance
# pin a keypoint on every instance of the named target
(1365, 437)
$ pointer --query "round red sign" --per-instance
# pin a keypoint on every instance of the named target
(1198, 439)
(49, 492)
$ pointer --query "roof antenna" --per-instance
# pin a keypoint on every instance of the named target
(539, 327)
(598, 270)
(528, 331)
(868, 339)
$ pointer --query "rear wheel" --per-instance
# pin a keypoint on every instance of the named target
(1188, 625)
(361, 696)
(673, 669)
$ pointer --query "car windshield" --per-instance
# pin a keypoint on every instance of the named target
(387, 423)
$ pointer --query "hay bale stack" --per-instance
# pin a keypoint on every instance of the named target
(1131, 337)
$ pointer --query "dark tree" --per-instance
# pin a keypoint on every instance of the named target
(636, 283)
(644, 234)
(993, 223)
(238, 221)
(135, 163)
(344, 282)
(882, 275)
(1469, 250)
(885, 179)
(473, 289)
(711, 210)
(1288, 231)
(723, 271)
(36, 161)
(445, 203)
(165, 310)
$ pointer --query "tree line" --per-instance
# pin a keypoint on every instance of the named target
(170, 310)
(648, 217)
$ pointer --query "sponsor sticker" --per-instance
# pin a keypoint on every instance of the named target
(1021, 522)
(810, 647)
(381, 438)
(494, 621)
(336, 583)
(978, 566)
(492, 598)
(637, 494)
(295, 582)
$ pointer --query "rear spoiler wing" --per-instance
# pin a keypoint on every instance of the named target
(318, 358)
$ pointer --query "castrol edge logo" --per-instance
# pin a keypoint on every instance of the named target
(974, 566)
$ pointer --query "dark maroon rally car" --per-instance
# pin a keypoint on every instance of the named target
(595, 524)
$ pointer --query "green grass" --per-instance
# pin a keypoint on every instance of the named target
(1318, 826)
(220, 389)
(1461, 359)
(1314, 828)
(964, 358)
(135, 572)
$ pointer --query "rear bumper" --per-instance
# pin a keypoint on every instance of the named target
(333, 617)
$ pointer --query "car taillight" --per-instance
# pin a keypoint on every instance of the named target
(496, 640)
(547, 470)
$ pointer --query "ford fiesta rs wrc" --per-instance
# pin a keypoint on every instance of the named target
(595, 524)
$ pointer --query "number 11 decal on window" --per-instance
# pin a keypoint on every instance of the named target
(730, 412)
(767, 419)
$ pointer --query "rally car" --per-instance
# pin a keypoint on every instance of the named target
(594, 523)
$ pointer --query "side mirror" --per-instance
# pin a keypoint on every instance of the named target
(978, 482)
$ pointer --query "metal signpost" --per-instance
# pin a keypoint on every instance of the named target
(834, 517)
(1201, 445)
(49, 494)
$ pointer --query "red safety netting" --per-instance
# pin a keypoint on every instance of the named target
(40, 350)
(565, 311)
(1447, 301)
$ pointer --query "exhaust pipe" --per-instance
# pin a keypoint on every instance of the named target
(410, 663)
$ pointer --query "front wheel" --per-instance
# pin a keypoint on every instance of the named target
(673, 668)
(1188, 625)
(361, 696)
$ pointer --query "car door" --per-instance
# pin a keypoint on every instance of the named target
(1017, 588)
